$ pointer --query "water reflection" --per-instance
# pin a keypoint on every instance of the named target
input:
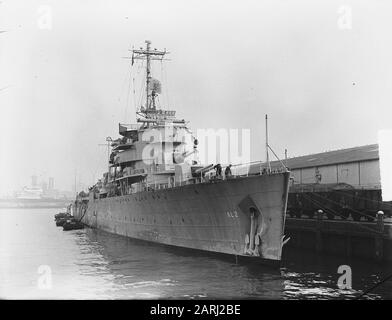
(140, 270)
(91, 264)
(143, 270)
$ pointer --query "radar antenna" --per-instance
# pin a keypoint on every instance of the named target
(152, 85)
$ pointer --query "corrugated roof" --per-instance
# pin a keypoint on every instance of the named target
(363, 153)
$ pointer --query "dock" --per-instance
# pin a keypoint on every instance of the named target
(353, 239)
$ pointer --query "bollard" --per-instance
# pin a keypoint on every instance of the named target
(380, 221)
(379, 250)
(320, 214)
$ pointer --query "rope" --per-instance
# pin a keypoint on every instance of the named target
(139, 102)
(134, 94)
(98, 164)
(85, 210)
(128, 94)
(321, 205)
(141, 93)
(121, 93)
(164, 75)
(375, 286)
(363, 198)
(276, 156)
(158, 103)
(333, 211)
(359, 212)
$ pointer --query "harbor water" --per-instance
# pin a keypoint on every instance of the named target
(41, 261)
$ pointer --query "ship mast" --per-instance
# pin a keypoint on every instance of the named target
(148, 73)
(148, 55)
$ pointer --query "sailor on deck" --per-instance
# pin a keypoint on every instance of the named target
(218, 170)
(228, 171)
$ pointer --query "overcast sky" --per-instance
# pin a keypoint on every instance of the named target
(324, 80)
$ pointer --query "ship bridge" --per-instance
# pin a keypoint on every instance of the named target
(148, 152)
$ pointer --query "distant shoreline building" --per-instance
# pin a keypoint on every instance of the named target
(42, 190)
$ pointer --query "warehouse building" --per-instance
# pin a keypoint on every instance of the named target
(357, 166)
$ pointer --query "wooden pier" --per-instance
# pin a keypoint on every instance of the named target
(366, 240)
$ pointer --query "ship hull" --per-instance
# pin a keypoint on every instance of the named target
(242, 216)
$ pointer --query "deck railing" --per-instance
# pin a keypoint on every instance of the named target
(197, 180)
(237, 171)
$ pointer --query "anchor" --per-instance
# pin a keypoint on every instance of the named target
(253, 239)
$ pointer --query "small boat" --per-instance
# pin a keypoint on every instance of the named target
(72, 224)
(66, 214)
(60, 221)
(61, 215)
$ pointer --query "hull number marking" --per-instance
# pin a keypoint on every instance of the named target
(232, 214)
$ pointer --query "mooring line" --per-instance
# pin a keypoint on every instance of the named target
(375, 286)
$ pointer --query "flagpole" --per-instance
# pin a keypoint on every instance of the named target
(266, 143)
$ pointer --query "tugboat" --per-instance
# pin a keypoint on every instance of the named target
(154, 191)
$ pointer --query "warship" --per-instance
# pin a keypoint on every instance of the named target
(155, 191)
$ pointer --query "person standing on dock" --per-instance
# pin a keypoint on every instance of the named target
(228, 171)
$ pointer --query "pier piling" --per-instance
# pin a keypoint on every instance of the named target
(319, 236)
(379, 241)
